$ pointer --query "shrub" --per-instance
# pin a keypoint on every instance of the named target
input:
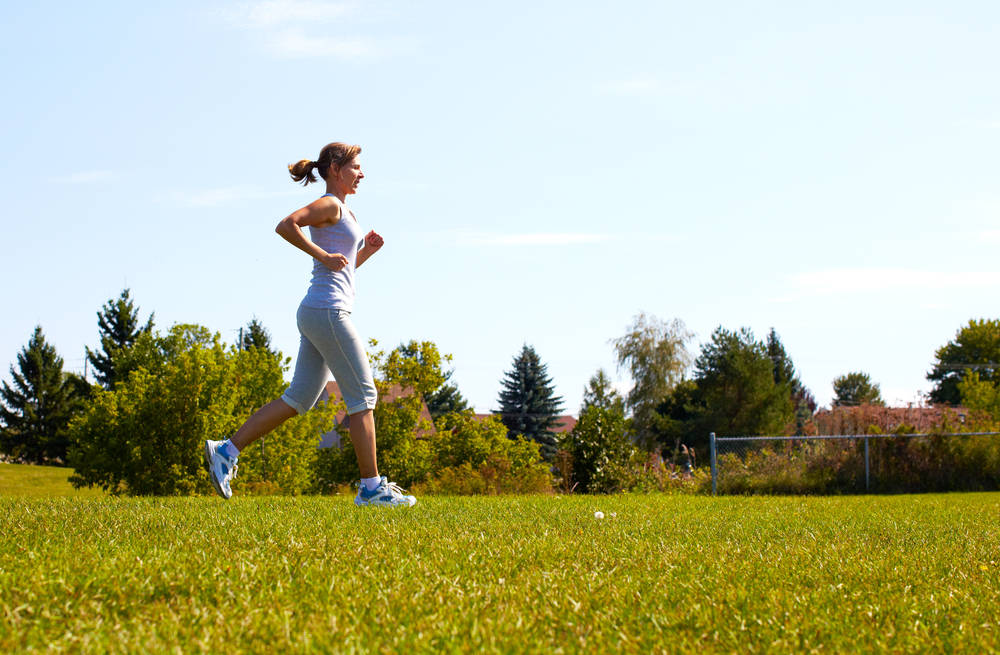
(146, 435)
(476, 457)
(600, 450)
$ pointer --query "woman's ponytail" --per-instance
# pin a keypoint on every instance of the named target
(302, 171)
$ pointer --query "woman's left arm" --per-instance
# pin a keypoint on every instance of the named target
(373, 241)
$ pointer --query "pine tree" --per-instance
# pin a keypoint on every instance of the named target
(36, 410)
(118, 323)
(256, 336)
(856, 388)
(736, 391)
(784, 373)
(528, 404)
(600, 392)
(446, 399)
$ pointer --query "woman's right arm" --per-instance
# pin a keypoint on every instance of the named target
(324, 211)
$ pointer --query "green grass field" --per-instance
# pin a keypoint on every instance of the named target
(40, 482)
(537, 574)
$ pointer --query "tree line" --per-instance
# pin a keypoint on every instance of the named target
(155, 393)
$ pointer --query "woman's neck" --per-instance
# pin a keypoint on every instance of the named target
(340, 195)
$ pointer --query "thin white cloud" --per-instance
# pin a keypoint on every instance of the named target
(87, 177)
(300, 29)
(225, 196)
(294, 44)
(990, 236)
(272, 13)
(632, 86)
(868, 280)
(529, 238)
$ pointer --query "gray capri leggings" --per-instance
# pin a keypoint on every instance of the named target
(330, 343)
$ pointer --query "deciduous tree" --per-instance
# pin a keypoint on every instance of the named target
(976, 347)
(981, 395)
(655, 354)
(441, 396)
(145, 436)
(600, 448)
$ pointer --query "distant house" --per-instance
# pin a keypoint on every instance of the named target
(563, 424)
(332, 393)
(566, 424)
(861, 418)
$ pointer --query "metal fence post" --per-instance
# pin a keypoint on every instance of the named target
(711, 441)
(866, 464)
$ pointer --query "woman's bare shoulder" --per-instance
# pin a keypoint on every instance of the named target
(325, 210)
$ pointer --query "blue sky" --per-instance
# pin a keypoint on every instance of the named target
(541, 172)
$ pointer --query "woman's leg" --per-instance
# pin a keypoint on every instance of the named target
(362, 428)
(307, 385)
(332, 333)
(263, 421)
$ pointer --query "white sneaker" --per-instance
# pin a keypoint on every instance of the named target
(221, 469)
(386, 494)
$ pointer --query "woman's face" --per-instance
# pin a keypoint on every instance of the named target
(349, 175)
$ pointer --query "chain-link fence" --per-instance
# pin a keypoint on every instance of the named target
(857, 463)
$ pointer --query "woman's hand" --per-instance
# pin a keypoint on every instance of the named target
(333, 261)
(374, 240)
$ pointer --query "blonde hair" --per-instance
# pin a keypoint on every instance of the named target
(335, 154)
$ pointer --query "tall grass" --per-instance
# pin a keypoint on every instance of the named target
(502, 574)
(898, 464)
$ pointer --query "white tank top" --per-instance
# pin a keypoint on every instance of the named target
(335, 289)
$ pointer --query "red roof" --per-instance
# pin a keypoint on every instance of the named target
(563, 423)
(332, 392)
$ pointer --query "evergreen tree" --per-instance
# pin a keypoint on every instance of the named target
(446, 399)
(255, 335)
(856, 389)
(528, 404)
(784, 373)
(36, 410)
(118, 324)
(599, 392)
(736, 387)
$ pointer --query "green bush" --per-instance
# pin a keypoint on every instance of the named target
(146, 435)
(476, 457)
(601, 451)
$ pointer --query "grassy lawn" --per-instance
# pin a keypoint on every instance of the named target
(537, 574)
(41, 482)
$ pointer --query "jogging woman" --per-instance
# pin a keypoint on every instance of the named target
(328, 339)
